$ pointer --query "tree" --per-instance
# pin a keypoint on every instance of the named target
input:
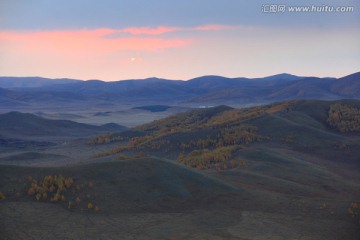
(31, 191)
(181, 158)
(68, 182)
(2, 196)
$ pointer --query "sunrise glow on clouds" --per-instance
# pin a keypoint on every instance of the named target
(138, 39)
(96, 41)
(141, 52)
(162, 30)
(83, 46)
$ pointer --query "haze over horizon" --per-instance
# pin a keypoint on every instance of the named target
(118, 40)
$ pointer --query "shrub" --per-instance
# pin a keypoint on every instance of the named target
(2, 196)
(31, 191)
(90, 206)
(68, 182)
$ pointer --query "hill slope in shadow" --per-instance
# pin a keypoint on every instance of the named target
(16, 124)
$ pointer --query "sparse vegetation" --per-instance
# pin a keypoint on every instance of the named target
(210, 129)
(52, 185)
(107, 138)
(56, 189)
(100, 139)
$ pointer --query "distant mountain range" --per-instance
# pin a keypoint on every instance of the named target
(211, 90)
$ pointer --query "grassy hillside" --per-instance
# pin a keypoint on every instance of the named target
(154, 185)
(154, 199)
(26, 124)
(287, 170)
(213, 137)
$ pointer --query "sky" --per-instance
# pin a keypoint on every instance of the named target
(134, 39)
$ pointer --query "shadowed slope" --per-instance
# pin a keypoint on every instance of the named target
(25, 124)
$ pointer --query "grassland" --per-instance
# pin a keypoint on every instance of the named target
(279, 171)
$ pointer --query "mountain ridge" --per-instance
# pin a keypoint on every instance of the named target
(205, 89)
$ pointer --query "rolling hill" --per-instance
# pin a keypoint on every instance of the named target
(16, 124)
(148, 198)
(286, 170)
(323, 131)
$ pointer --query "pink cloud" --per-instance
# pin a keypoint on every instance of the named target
(96, 52)
(163, 29)
(214, 27)
(96, 41)
(84, 42)
(149, 31)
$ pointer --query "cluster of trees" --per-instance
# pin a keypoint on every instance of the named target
(344, 118)
(210, 131)
(230, 136)
(205, 158)
(242, 134)
(235, 116)
(56, 188)
(101, 139)
(202, 143)
(278, 107)
(51, 188)
(217, 140)
(106, 139)
(136, 142)
(112, 151)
